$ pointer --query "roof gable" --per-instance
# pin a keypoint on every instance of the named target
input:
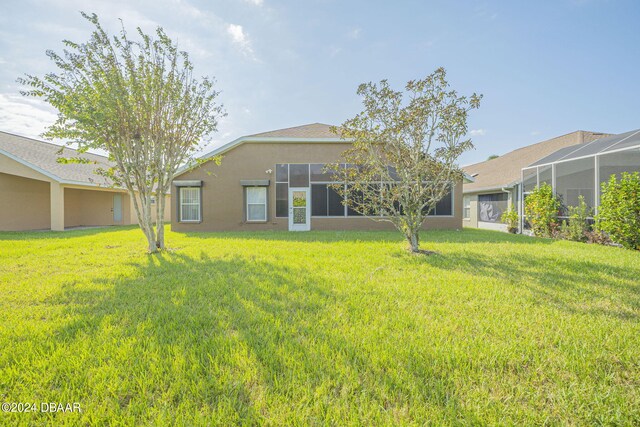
(312, 130)
(43, 157)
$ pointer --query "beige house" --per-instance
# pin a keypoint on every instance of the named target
(275, 181)
(39, 193)
(497, 182)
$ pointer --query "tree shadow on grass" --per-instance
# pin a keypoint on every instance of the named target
(586, 286)
(255, 341)
(67, 234)
(466, 235)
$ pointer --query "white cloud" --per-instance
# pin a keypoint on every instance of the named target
(255, 2)
(478, 132)
(354, 33)
(535, 133)
(334, 51)
(240, 38)
(24, 116)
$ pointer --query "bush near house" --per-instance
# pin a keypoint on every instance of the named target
(510, 218)
(619, 210)
(577, 228)
(541, 208)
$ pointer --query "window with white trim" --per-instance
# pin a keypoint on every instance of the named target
(256, 204)
(189, 204)
(466, 207)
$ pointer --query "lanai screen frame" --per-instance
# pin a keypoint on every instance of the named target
(596, 175)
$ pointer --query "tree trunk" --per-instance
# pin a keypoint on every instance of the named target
(414, 240)
(147, 226)
(160, 203)
(151, 239)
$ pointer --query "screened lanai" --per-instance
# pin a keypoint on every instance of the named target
(580, 170)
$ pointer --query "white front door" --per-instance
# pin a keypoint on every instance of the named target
(299, 209)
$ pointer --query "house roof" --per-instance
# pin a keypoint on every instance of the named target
(311, 133)
(505, 171)
(312, 130)
(42, 157)
(621, 142)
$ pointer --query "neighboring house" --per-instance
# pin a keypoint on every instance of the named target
(275, 181)
(497, 182)
(38, 193)
(580, 170)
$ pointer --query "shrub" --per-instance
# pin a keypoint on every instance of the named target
(578, 225)
(541, 208)
(619, 211)
(510, 218)
(598, 237)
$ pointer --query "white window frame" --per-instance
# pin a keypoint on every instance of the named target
(198, 203)
(466, 207)
(256, 204)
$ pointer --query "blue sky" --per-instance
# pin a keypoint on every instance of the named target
(545, 68)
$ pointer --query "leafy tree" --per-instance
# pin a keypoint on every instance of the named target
(541, 208)
(619, 210)
(493, 156)
(137, 100)
(405, 151)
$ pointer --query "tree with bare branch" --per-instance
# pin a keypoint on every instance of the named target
(405, 151)
(139, 101)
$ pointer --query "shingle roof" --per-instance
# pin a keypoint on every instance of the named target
(603, 145)
(505, 170)
(42, 156)
(313, 130)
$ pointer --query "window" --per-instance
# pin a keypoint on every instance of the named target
(357, 198)
(491, 206)
(256, 204)
(189, 204)
(282, 172)
(466, 207)
(299, 175)
(282, 200)
(445, 205)
(282, 190)
(325, 201)
(319, 200)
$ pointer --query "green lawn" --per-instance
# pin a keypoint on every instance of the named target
(325, 328)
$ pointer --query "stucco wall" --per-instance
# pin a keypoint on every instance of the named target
(92, 207)
(223, 198)
(133, 219)
(25, 204)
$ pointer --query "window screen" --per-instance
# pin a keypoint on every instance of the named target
(336, 208)
(282, 200)
(319, 200)
(189, 204)
(256, 203)
(299, 175)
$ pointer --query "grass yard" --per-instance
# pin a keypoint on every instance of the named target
(320, 328)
